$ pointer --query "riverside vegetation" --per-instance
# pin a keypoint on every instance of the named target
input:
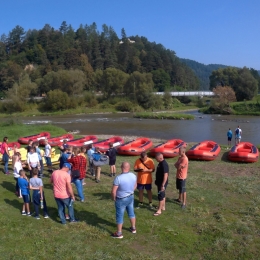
(221, 220)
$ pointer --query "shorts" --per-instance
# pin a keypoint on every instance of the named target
(161, 194)
(144, 186)
(112, 162)
(26, 198)
(48, 161)
(181, 185)
(229, 138)
(123, 204)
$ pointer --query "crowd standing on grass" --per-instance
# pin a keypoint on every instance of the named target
(74, 163)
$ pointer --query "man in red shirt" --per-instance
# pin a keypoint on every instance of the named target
(181, 176)
(79, 163)
(63, 192)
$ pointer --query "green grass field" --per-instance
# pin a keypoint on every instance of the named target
(222, 219)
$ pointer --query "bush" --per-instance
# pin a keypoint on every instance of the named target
(58, 100)
(124, 106)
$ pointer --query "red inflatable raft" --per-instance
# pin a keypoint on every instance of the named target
(83, 141)
(206, 151)
(244, 152)
(56, 141)
(104, 144)
(40, 136)
(169, 149)
(135, 147)
(11, 145)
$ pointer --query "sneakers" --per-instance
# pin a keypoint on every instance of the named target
(97, 181)
(23, 213)
(67, 217)
(151, 205)
(183, 206)
(46, 216)
(116, 235)
(74, 221)
(140, 205)
(114, 174)
(37, 217)
(110, 175)
(133, 230)
(29, 214)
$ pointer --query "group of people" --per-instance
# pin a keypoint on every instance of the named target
(238, 136)
(74, 163)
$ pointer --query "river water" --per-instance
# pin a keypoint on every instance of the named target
(203, 127)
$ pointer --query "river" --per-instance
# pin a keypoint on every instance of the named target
(203, 127)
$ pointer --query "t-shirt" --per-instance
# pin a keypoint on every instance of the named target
(60, 179)
(4, 147)
(33, 159)
(36, 182)
(229, 134)
(182, 173)
(64, 158)
(17, 168)
(38, 151)
(238, 132)
(23, 185)
(47, 150)
(126, 184)
(28, 148)
(111, 153)
(144, 177)
(162, 168)
(89, 153)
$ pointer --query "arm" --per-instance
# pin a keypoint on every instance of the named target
(41, 190)
(113, 192)
(28, 161)
(69, 188)
(165, 177)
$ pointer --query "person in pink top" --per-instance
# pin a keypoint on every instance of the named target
(181, 176)
(63, 192)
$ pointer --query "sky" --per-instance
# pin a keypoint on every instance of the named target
(207, 31)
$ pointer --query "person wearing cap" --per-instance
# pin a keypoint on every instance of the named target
(63, 192)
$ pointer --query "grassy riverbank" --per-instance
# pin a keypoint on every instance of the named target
(166, 115)
(221, 220)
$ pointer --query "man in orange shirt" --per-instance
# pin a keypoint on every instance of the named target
(144, 167)
(181, 176)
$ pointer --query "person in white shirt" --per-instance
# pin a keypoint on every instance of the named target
(47, 154)
(33, 160)
(238, 135)
(17, 166)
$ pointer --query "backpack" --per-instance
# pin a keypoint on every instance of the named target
(237, 131)
(96, 156)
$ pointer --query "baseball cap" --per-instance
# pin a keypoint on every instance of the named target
(67, 165)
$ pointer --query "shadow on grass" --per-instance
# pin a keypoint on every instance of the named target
(224, 157)
(10, 186)
(93, 219)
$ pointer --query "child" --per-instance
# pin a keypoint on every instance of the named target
(47, 154)
(38, 151)
(37, 186)
(83, 153)
(17, 166)
(24, 186)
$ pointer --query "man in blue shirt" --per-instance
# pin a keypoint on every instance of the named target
(123, 194)
(229, 136)
(90, 151)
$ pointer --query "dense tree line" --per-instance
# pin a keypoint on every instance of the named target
(47, 55)
(244, 81)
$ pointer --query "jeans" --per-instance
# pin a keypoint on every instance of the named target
(79, 187)
(62, 203)
(37, 202)
(5, 160)
(17, 189)
(41, 170)
(122, 205)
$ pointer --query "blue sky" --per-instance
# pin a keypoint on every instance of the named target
(223, 32)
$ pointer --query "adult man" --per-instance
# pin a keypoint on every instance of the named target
(162, 173)
(144, 167)
(123, 194)
(229, 136)
(181, 176)
(63, 192)
(79, 163)
(90, 151)
(238, 133)
(47, 154)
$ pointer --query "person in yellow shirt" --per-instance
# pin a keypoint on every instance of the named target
(144, 167)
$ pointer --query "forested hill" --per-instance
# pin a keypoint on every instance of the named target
(89, 50)
(202, 71)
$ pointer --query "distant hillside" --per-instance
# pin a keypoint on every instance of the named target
(202, 71)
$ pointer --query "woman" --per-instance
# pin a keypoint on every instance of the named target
(17, 166)
(79, 163)
(6, 155)
(33, 160)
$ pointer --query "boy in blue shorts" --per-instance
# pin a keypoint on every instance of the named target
(24, 186)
